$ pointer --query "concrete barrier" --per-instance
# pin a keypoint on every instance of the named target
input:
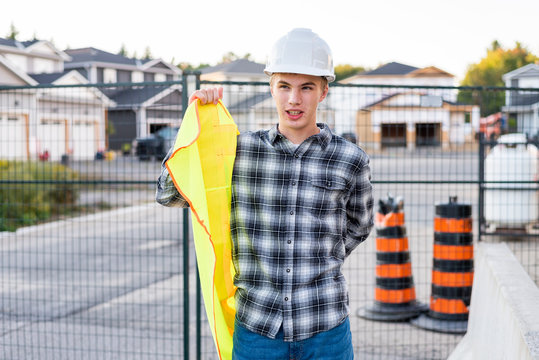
(504, 309)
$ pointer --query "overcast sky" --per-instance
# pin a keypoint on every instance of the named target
(449, 34)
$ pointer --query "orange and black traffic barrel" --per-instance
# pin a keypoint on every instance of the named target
(394, 294)
(452, 269)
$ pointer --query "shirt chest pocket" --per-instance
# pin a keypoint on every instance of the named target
(329, 188)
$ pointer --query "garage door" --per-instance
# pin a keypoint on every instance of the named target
(393, 135)
(13, 142)
(427, 134)
(84, 140)
(51, 136)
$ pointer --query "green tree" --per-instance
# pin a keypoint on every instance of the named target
(123, 51)
(488, 72)
(344, 71)
(13, 32)
(231, 56)
(147, 53)
(185, 66)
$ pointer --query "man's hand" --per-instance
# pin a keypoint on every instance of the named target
(207, 96)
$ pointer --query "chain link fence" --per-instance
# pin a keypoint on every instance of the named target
(92, 268)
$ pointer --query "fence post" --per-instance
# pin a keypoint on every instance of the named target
(186, 319)
(481, 207)
(198, 290)
(186, 283)
(186, 273)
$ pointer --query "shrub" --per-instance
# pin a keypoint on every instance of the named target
(31, 192)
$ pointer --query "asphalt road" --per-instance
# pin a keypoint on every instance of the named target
(110, 285)
(104, 286)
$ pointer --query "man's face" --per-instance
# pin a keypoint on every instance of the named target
(297, 97)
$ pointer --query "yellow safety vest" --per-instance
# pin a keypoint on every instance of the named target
(201, 168)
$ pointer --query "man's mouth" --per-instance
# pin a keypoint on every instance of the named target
(294, 112)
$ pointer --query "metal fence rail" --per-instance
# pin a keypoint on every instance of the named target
(92, 268)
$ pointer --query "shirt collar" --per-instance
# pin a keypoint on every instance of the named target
(323, 137)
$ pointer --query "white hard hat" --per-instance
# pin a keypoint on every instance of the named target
(301, 51)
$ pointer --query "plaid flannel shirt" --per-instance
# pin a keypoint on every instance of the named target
(297, 213)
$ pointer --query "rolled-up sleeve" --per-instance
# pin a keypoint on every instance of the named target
(359, 212)
(166, 193)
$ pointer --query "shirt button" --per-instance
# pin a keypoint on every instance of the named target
(289, 241)
(293, 183)
(296, 156)
(286, 299)
(291, 213)
(287, 270)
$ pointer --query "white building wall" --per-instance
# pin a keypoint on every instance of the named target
(43, 66)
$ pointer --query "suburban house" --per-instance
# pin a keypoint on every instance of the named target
(251, 105)
(241, 99)
(404, 114)
(414, 119)
(37, 120)
(138, 110)
(523, 105)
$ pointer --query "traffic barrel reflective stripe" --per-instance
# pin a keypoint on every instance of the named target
(448, 306)
(451, 252)
(394, 270)
(452, 225)
(392, 245)
(394, 296)
(452, 279)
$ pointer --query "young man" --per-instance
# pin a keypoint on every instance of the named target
(301, 202)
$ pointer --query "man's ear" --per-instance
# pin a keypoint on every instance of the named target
(324, 93)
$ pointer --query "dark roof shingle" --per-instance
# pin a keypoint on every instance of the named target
(236, 66)
(392, 68)
(91, 54)
(48, 78)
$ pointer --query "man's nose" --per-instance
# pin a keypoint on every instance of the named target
(295, 97)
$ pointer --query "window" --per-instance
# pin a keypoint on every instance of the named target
(467, 118)
(148, 77)
(109, 76)
(123, 76)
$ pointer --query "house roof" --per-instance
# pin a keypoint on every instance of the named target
(429, 71)
(93, 55)
(398, 70)
(134, 96)
(529, 70)
(17, 44)
(240, 66)
(47, 78)
(392, 68)
(26, 47)
(7, 42)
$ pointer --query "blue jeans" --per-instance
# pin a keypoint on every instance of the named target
(334, 344)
